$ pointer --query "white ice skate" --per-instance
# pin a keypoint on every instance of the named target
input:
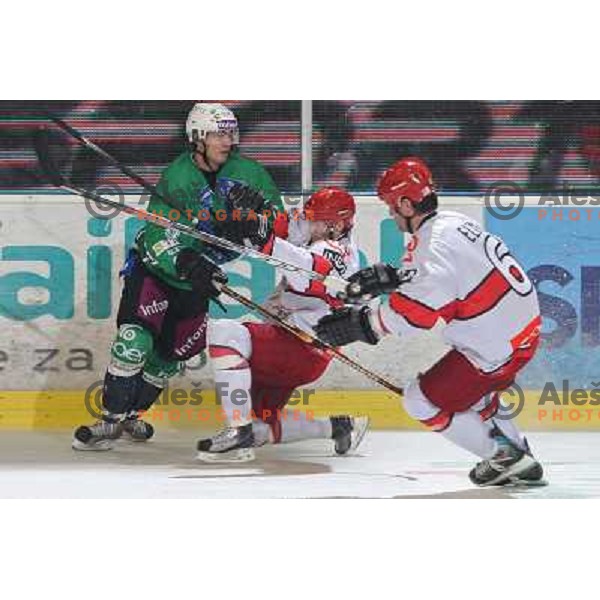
(232, 444)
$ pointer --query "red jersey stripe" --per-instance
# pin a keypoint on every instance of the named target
(478, 301)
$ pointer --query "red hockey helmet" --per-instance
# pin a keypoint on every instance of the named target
(331, 204)
(408, 178)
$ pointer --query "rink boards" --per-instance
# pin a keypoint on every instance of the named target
(59, 290)
(45, 410)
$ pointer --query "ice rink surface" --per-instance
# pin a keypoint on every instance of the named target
(387, 465)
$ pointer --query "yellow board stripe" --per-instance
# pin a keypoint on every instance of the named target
(51, 409)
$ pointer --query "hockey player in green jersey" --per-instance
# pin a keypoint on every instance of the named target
(169, 278)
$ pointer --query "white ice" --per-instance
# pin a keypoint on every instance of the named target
(388, 465)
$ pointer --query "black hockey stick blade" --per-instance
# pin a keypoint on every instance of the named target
(100, 151)
(41, 145)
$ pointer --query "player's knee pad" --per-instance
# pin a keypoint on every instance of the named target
(419, 407)
(158, 370)
(229, 344)
(130, 350)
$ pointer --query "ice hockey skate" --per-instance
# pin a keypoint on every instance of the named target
(137, 430)
(509, 466)
(348, 432)
(232, 444)
(98, 437)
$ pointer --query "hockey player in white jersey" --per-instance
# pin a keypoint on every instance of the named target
(258, 366)
(456, 272)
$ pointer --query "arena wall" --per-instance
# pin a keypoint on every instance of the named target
(59, 290)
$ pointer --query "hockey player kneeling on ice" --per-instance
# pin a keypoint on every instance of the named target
(454, 271)
(258, 366)
(169, 278)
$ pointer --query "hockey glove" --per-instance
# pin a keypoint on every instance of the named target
(205, 276)
(347, 325)
(371, 282)
(248, 228)
(242, 197)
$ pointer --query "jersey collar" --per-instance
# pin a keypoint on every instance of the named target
(428, 218)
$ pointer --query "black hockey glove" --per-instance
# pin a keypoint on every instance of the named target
(205, 276)
(347, 325)
(242, 197)
(371, 282)
(247, 227)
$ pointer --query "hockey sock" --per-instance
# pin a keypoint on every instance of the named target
(230, 348)
(157, 372)
(119, 395)
(129, 352)
(465, 429)
(492, 410)
(147, 395)
(292, 426)
(233, 391)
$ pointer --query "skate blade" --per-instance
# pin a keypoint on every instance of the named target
(524, 483)
(361, 426)
(234, 456)
(127, 437)
(101, 446)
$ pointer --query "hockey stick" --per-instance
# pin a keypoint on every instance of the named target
(310, 339)
(41, 148)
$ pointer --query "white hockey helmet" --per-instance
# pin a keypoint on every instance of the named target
(207, 118)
